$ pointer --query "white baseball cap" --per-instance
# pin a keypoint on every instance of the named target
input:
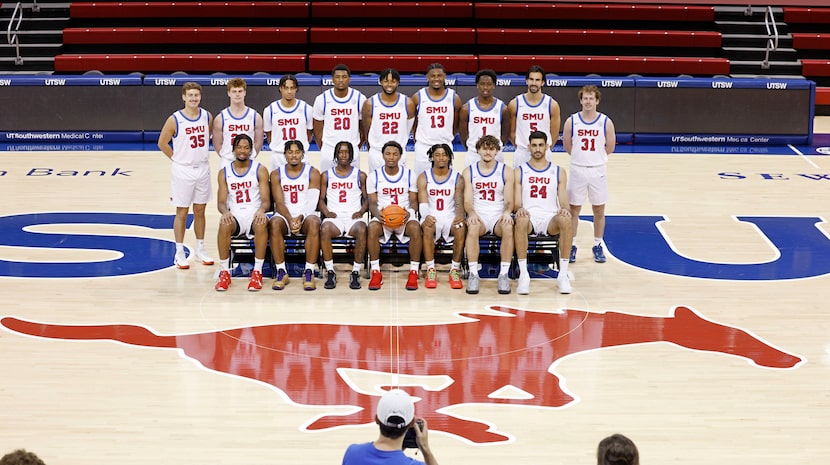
(396, 409)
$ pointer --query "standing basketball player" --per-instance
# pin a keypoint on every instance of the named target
(337, 116)
(532, 111)
(589, 137)
(387, 115)
(437, 109)
(236, 119)
(488, 200)
(542, 209)
(189, 129)
(343, 204)
(482, 115)
(295, 188)
(288, 118)
(393, 184)
(242, 200)
(441, 205)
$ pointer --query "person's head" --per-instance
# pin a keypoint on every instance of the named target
(487, 147)
(294, 152)
(242, 147)
(395, 414)
(440, 155)
(289, 85)
(485, 82)
(535, 79)
(21, 457)
(392, 153)
(436, 76)
(617, 450)
(192, 93)
(237, 89)
(390, 78)
(538, 144)
(343, 153)
(341, 76)
(589, 97)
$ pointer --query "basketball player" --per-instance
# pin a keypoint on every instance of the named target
(393, 184)
(589, 137)
(244, 196)
(488, 200)
(542, 209)
(617, 450)
(387, 115)
(337, 116)
(285, 119)
(481, 115)
(343, 204)
(437, 109)
(24, 457)
(532, 111)
(295, 188)
(441, 205)
(189, 130)
(237, 118)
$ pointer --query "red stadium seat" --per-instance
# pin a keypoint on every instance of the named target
(612, 65)
(392, 35)
(124, 63)
(403, 63)
(810, 41)
(185, 35)
(599, 11)
(391, 10)
(106, 10)
(815, 68)
(611, 38)
(798, 15)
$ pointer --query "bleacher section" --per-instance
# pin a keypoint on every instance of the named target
(811, 39)
(299, 36)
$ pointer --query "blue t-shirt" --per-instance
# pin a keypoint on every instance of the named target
(367, 454)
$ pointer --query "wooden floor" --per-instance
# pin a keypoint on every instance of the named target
(280, 377)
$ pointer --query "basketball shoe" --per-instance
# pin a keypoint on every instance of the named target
(431, 282)
(181, 262)
(472, 283)
(331, 280)
(523, 284)
(572, 258)
(564, 284)
(354, 280)
(308, 280)
(455, 279)
(224, 281)
(281, 281)
(255, 282)
(412, 281)
(377, 280)
(202, 255)
(599, 256)
(504, 284)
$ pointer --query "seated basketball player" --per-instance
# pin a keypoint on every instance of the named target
(393, 184)
(617, 450)
(542, 209)
(21, 457)
(441, 205)
(488, 200)
(242, 200)
(296, 191)
(343, 205)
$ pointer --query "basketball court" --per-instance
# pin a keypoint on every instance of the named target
(704, 338)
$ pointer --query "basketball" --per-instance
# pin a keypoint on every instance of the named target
(394, 216)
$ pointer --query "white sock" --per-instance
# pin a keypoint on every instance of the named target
(523, 265)
(474, 267)
(563, 266)
(413, 266)
(226, 264)
(357, 266)
(455, 265)
(329, 264)
(597, 241)
(281, 266)
(179, 248)
(309, 266)
(258, 264)
(200, 244)
(430, 264)
(504, 267)
(374, 265)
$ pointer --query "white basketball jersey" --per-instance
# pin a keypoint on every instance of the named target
(441, 195)
(192, 138)
(341, 118)
(488, 190)
(531, 118)
(435, 118)
(483, 122)
(343, 193)
(243, 189)
(388, 122)
(540, 189)
(588, 141)
(287, 124)
(392, 190)
(295, 190)
(232, 127)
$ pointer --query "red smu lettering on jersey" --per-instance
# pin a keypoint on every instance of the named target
(443, 109)
(194, 130)
(239, 127)
(538, 180)
(437, 192)
(484, 120)
(288, 121)
(396, 115)
(341, 111)
(533, 116)
(341, 185)
(587, 132)
(292, 188)
(241, 185)
(393, 190)
(486, 185)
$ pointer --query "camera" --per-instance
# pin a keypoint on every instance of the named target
(409, 441)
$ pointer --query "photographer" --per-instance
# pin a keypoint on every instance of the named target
(395, 415)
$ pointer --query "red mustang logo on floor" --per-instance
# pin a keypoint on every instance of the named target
(481, 357)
